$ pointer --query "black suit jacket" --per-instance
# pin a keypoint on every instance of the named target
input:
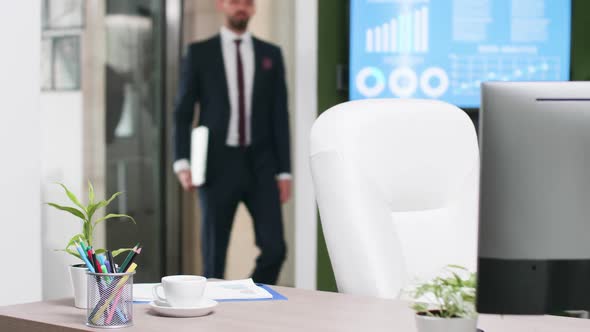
(203, 80)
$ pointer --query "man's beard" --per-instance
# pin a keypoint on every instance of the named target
(238, 24)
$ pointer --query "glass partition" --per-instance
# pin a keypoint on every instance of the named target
(134, 121)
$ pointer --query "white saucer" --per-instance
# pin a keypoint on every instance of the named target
(163, 308)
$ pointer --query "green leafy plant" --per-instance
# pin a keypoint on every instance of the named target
(86, 212)
(448, 296)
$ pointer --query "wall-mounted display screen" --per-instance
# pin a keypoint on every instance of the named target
(444, 49)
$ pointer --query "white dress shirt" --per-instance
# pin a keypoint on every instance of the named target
(228, 49)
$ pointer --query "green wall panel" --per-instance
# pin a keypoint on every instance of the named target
(332, 52)
(580, 66)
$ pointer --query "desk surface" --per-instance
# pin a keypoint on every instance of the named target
(304, 311)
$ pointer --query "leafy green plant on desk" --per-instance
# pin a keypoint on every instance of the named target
(449, 296)
(86, 212)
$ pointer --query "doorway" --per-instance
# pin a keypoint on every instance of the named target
(273, 22)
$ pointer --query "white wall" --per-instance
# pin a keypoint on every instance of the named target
(72, 152)
(20, 226)
(306, 108)
(62, 161)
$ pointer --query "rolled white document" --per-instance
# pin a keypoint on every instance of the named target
(199, 142)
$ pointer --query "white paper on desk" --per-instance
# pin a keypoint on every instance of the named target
(244, 289)
(199, 143)
(143, 292)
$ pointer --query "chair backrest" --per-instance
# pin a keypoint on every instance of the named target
(396, 182)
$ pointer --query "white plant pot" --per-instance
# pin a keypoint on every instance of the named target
(80, 285)
(437, 324)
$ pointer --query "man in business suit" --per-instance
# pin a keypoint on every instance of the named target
(239, 83)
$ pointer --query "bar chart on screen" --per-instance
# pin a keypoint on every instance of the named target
(406, 32)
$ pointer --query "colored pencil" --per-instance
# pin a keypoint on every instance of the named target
(91, 258)
(127, 259)
(111, 261)
(84, 258)
(107, 264)
(83, 245)
(137, 252)
(95, 260)
(101, 258)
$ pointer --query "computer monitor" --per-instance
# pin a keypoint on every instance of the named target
(534, 222)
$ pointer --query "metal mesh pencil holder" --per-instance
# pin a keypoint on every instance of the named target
(110, 300)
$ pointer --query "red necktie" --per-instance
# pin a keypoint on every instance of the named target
(241, 97)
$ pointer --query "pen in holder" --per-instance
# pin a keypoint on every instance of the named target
(110, 299)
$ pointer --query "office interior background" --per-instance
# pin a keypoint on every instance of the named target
(90, 97)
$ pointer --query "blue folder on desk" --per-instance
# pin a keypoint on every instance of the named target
(275, 296)
(142, 294)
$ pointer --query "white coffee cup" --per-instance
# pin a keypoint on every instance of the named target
(181, 290)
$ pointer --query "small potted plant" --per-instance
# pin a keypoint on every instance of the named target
(447, 302)
(86, 212)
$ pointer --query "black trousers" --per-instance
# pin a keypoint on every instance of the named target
(239, 180)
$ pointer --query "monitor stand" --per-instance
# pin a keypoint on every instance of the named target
(584, 314)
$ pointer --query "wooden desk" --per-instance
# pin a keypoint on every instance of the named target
(306, 311)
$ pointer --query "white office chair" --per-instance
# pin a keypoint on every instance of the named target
(396, 183)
